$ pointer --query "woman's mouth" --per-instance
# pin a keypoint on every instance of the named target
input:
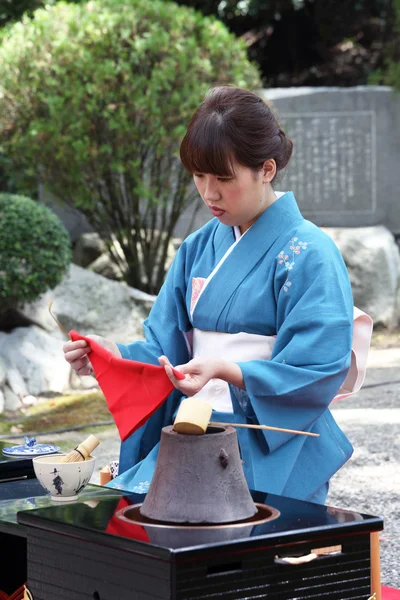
(217, 212)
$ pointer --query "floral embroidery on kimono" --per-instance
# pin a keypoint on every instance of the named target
(283, 258)
(141, 488)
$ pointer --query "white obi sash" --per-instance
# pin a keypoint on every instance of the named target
(236, 347)
(241, 347)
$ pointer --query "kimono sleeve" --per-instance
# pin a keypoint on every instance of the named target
(166, 322)
(312, 351)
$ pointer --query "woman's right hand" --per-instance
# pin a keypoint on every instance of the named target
(76, 353)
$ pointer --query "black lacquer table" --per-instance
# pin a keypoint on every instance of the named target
(82, 551)
(22, 494)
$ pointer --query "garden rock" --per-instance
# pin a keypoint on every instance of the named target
(11, 400)
(373, 261)
(104, 265)
(16, 382)
(29, 400)
(3, 372)
(88, 248)
(38, 358)
(90, 303)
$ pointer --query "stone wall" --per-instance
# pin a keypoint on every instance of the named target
(345, 165)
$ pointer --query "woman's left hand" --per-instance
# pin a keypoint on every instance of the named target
(198, 373)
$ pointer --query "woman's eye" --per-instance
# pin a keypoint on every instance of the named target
(224, 179)
(198, 174)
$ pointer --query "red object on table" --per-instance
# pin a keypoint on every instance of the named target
(123, 529)
(133, 390)
(389, 593)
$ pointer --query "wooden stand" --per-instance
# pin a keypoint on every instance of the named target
(375, 566)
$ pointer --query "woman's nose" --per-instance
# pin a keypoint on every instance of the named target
(211, 192)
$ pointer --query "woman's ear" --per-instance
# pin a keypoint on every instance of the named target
(268, 170)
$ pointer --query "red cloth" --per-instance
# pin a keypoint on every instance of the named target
(129, 530)
(390, 593)
(133, 390)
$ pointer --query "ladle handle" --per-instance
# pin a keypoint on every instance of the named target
(58, 322)
(264, 427)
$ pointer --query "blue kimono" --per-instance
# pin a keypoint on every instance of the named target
(284, 278)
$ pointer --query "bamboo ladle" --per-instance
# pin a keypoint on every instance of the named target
(57, 321)
(193, 418)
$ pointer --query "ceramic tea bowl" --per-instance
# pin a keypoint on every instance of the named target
(63, 481)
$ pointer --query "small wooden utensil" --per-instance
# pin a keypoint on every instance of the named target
(83, 451)
(193, 418)
(105, 475)
(57, 321)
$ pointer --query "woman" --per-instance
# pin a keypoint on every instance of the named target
(256, 310)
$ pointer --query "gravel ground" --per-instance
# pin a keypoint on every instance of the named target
(370, 481)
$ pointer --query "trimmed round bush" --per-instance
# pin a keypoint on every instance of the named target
(34, 250)
(95, 99)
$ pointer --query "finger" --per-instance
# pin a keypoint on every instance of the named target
(174, 375)
(75, 355)
(80, 364)
(164, 360)
(85, 370)
(170, 373)
(70, 346)
(178, 374)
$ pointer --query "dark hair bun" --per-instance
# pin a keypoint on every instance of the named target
(283, 151)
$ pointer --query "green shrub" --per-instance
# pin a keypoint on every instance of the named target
(34, 250)
(96, 98)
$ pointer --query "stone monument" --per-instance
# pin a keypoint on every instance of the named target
(344, 170)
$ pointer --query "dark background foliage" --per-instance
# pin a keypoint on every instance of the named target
(297, 42)
(310, 42)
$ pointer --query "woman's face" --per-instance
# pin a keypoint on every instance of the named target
(237, 200)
